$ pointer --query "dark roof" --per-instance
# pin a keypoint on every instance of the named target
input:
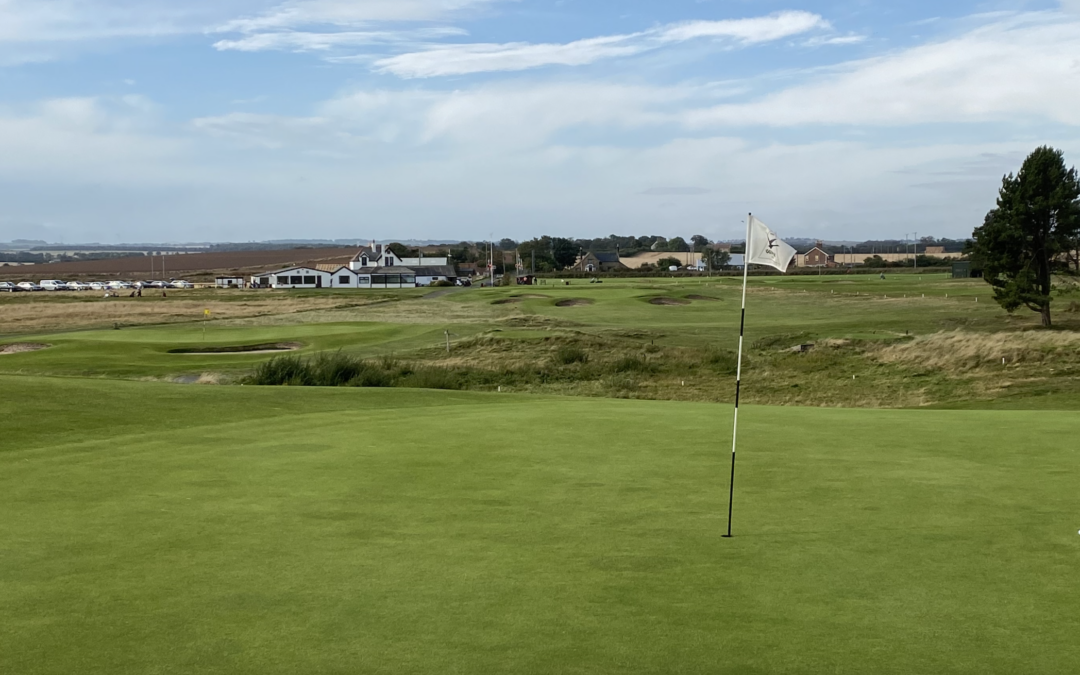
(436, 271)
(606, 256)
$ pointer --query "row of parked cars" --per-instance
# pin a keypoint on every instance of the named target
(57, 285)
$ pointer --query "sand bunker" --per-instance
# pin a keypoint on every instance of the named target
(269, 348)
(701, 297)
(22, 347)
(573, 302)
(668, 301)
(505, 301)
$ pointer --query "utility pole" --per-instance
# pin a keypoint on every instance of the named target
(915, 250)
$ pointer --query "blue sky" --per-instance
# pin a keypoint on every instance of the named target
(135, 120)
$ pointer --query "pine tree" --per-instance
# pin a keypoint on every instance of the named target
(1029, 236)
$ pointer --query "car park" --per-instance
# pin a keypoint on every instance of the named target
(29, 286)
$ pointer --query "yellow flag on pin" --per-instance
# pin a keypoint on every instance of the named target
(206, 312)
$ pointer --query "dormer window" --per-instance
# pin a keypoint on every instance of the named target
(363, 261)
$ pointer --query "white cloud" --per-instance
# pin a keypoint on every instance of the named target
(479, 58)
(462, 59)
(298, 13)
(265, 131)
(301, 41)
(499, 117)
(29, 21)
(1023, 67)
(87, 138)
(754, 30)
(837, 40)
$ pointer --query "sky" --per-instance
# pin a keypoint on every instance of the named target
(250, 120)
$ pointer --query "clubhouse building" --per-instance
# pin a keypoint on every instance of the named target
(373, 266)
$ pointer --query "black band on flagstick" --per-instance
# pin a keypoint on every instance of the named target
(738, 393)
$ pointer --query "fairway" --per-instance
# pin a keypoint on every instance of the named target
(152, 527)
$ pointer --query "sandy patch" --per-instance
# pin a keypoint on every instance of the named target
(22, 347)
(701, 297)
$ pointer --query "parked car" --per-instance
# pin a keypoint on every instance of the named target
(118, 285)
(180, 283)
(29, 286)
(53, 285)
(97, 286)
(77, 286)
(8, 287)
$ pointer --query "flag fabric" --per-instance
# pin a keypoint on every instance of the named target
(206, 312)
(765, 248)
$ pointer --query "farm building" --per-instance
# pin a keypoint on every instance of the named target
(653, 257)
(599, 262)
(229, 282)
(815, 257)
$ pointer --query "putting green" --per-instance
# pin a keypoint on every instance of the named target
(148, 527)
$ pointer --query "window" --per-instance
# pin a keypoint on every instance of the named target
(363, 261)
(309, 280)
(283, 281)
(296, 281)
(408, 278)
(363, 281)
(343, 280)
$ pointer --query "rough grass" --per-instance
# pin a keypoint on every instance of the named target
(958, 351)
(96, 312)
(631, 348)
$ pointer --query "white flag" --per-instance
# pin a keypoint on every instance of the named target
(765, 248)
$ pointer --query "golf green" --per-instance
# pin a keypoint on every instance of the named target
(160, 528)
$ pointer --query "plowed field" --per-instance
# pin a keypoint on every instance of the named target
(178, 265)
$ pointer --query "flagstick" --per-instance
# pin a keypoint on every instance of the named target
(738, 371)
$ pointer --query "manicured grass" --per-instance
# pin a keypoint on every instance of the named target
(149, 527)
(145, 351)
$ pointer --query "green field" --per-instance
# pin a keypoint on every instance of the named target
(148, 526)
